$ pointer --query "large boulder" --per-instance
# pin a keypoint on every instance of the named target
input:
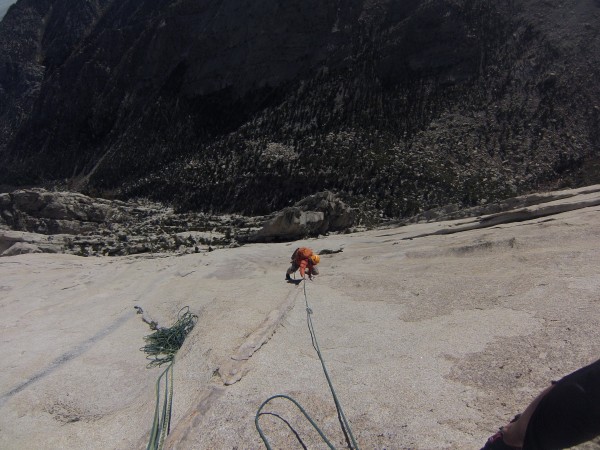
(47, 212)
(21, 248)
(314, 215)
(63, 206)
(18, 242)
(337, 215)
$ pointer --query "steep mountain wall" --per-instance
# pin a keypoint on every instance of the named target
(4, 5)
(251, 105)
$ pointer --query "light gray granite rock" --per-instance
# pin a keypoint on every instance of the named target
(20, 248)
(314, 215)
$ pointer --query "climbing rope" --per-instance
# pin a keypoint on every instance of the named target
(161, 426)
(166, 342)
(312, 422)
(343, 422)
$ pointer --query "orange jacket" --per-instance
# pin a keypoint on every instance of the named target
(301, 257)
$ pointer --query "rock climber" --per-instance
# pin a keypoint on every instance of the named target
(565, 414)
(304, 259)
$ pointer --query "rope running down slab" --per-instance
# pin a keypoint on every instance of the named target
(161, 426)
(343, 421)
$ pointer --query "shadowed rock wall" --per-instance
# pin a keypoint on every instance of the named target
(250, 106)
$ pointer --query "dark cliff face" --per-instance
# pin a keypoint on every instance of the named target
(251, 105)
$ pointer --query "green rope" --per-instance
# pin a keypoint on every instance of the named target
(314, 425)
(166, 341)
(344, 422)
(346, 425)
(161, 425)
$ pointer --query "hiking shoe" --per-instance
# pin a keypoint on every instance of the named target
(496, 442)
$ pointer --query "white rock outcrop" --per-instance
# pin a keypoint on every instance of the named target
(317, 214)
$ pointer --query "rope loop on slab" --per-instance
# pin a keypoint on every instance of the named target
(345, 426)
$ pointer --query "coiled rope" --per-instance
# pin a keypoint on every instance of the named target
(343, 422)
(162, 345)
